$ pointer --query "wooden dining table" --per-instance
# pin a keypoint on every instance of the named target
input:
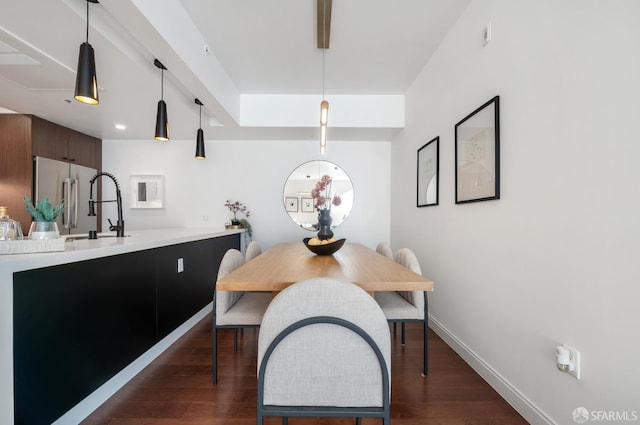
(288, 263)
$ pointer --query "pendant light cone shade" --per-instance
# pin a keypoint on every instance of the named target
(200, 145)
(200, 134)
(162, 121)
(86, 80)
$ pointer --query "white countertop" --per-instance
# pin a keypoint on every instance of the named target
(77, 250)
(86, 249)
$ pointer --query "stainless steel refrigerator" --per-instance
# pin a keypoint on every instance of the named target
(59, 181)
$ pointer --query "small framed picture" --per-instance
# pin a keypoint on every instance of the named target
(307, 204)
(291, 204)
(428, 168)
(147, 191)
(477, 156)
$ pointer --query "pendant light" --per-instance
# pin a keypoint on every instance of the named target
(86, 80)
(200, 135)
(324, 45)
(162, 122)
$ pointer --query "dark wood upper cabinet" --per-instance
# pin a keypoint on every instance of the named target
(56, 142)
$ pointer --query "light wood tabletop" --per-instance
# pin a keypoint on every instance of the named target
(288, 263)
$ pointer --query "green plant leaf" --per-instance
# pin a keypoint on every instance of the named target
(43, 211)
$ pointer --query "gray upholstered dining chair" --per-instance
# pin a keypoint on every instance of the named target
(234, 309)
(253, 250)
(407, 306)
(385, 249)
(324, 350)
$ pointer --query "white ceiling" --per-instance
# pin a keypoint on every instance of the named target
(216, 50)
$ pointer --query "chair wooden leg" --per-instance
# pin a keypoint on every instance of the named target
(394, 327)
(403, 337)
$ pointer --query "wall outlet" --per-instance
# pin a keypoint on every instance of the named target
(568, 360)
(180, 265)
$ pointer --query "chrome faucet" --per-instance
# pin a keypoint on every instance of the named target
(119, 227)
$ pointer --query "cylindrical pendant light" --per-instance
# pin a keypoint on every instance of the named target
(86, 80)
(324, 105)
(324, 119)
(162, 122)
(200, 135)
(324, 112)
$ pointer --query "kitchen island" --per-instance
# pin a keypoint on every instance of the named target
(76, 325)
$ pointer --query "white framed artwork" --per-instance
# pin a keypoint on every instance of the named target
(147, 191)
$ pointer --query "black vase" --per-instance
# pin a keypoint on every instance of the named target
(324, 224)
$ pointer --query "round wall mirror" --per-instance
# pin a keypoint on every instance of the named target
(300, 203)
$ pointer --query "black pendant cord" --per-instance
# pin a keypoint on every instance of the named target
(87, 22)
(201, 115)
(162, 83)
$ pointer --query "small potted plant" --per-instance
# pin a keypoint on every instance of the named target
(44, 215)
(239, 223)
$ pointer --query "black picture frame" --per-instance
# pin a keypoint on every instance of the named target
(477, 154)
(428, 174)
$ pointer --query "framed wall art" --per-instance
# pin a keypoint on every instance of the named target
(147, 191)
(291, 204)
(477, 154)
(307, 204)
(428, 169)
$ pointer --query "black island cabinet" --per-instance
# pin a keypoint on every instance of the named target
(77, 325)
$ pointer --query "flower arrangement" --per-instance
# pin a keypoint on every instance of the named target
(236, 207)
(43, 210)
(322, 194)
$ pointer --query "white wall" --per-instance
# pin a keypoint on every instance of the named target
(555, 261)
(251, 172)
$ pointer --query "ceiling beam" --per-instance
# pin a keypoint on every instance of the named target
(324, 23)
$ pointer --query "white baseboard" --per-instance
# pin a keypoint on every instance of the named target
(90, 403)
(515, 398)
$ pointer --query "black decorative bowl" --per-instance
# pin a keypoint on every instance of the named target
(326, 249)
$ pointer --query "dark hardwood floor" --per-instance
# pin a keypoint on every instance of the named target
(176, 388)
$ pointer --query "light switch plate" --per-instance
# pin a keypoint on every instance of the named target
(180, 265)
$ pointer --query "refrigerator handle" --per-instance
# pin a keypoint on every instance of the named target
(66, 191)
(74, 202)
